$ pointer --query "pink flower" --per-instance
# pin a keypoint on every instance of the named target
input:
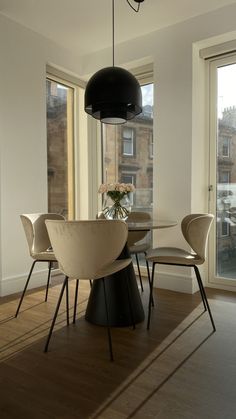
(119, 187)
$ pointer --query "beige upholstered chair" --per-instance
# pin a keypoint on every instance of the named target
(85, 250)
(39, 244)
(195, 229)
(134, 238)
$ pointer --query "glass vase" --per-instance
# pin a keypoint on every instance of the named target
(115, 209)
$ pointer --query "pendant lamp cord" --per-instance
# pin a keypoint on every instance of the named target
(132, 7)
(113, 33)
(113, 26)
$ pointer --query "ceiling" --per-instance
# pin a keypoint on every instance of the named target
(84, 26)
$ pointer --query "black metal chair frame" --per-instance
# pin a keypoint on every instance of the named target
(139, 273)
(65, 285)
(200, 284)
(28, 279)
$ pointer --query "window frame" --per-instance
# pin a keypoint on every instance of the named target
(86, 150)
(215, 277)
(70, 142)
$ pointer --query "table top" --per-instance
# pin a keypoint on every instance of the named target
(150, 225)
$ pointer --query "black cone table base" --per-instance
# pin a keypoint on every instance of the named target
(123, 302)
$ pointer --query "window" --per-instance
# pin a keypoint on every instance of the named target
(133, 139)
(129, 178)
(224, 229)
(128, 141)
(224, 176)
(225, 147)
(60, 106)
(127, 153)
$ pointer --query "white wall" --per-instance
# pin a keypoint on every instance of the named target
(23, 182)
(180, 178)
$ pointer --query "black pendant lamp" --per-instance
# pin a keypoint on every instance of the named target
(113, 95)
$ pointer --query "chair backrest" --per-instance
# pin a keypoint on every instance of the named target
(136, 236)
(82, 248)
(36, 231)
(195, 229)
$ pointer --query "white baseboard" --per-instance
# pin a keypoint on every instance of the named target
(169, 281)
(173, 282)
(14, 284)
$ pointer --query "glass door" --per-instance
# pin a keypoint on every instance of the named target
(222, 188)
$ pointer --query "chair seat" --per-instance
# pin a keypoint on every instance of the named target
(139, 248)
(173, 255)
(44, 256)
(112, 268)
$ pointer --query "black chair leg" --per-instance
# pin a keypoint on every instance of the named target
(76, 297)
(108, 322)
(139, 273)
(200, 288)
(203, 294)
(91, 283)
(151, 296)
(65, 283)
(129, 300)
(48, 281)
(149, 278)
(26, 285)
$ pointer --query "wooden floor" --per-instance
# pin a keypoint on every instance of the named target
(177, 370)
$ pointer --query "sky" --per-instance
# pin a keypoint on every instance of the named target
(147, 93)
(226, 87)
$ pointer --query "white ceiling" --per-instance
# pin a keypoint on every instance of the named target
(84, 26)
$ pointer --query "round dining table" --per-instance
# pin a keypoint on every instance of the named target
(119, 298)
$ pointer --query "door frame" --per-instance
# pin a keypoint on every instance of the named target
(212, 66)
